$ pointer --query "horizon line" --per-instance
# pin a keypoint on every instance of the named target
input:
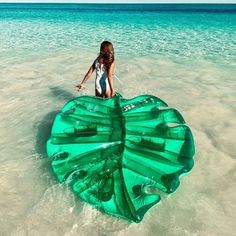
(40, 2)
(122, 1)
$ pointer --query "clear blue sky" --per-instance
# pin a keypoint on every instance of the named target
(125, 1)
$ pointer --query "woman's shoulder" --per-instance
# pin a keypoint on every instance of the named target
(96, 62)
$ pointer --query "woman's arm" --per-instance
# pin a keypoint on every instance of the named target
(86, 77)
(110, 78)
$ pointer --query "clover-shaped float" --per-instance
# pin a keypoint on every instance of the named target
(118, 154)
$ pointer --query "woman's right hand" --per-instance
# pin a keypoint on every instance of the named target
(78, 87)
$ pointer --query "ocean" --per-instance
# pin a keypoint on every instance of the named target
(183, 53)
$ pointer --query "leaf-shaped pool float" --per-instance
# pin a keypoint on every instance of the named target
(117, 154)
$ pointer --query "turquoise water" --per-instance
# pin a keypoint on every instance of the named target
(184, 54)
(199, 31)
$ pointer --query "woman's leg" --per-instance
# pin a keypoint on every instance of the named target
(97, 94)
(108, 91)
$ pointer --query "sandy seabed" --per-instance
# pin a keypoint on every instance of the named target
(34, 87)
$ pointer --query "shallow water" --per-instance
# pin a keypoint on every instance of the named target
(186, 59)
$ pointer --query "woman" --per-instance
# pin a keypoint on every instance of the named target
(104, 65)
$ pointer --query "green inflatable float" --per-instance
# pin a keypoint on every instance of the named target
(118, 154)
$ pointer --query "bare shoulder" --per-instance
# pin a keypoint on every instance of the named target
(95, 62)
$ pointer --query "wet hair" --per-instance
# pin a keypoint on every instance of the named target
(107, 53)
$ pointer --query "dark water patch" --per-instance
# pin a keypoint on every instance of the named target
(62, 94)
(44, 132)
(42, 135)
(124, 7)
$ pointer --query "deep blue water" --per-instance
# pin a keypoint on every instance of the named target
(193, 8)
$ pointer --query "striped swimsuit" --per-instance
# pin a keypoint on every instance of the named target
(101, 81)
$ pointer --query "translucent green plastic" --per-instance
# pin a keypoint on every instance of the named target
(118, 154)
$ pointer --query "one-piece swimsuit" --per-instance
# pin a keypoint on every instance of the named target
(101, 81)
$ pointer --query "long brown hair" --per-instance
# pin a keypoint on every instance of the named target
(107, 54)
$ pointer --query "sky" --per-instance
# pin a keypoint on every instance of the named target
(123, 1)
